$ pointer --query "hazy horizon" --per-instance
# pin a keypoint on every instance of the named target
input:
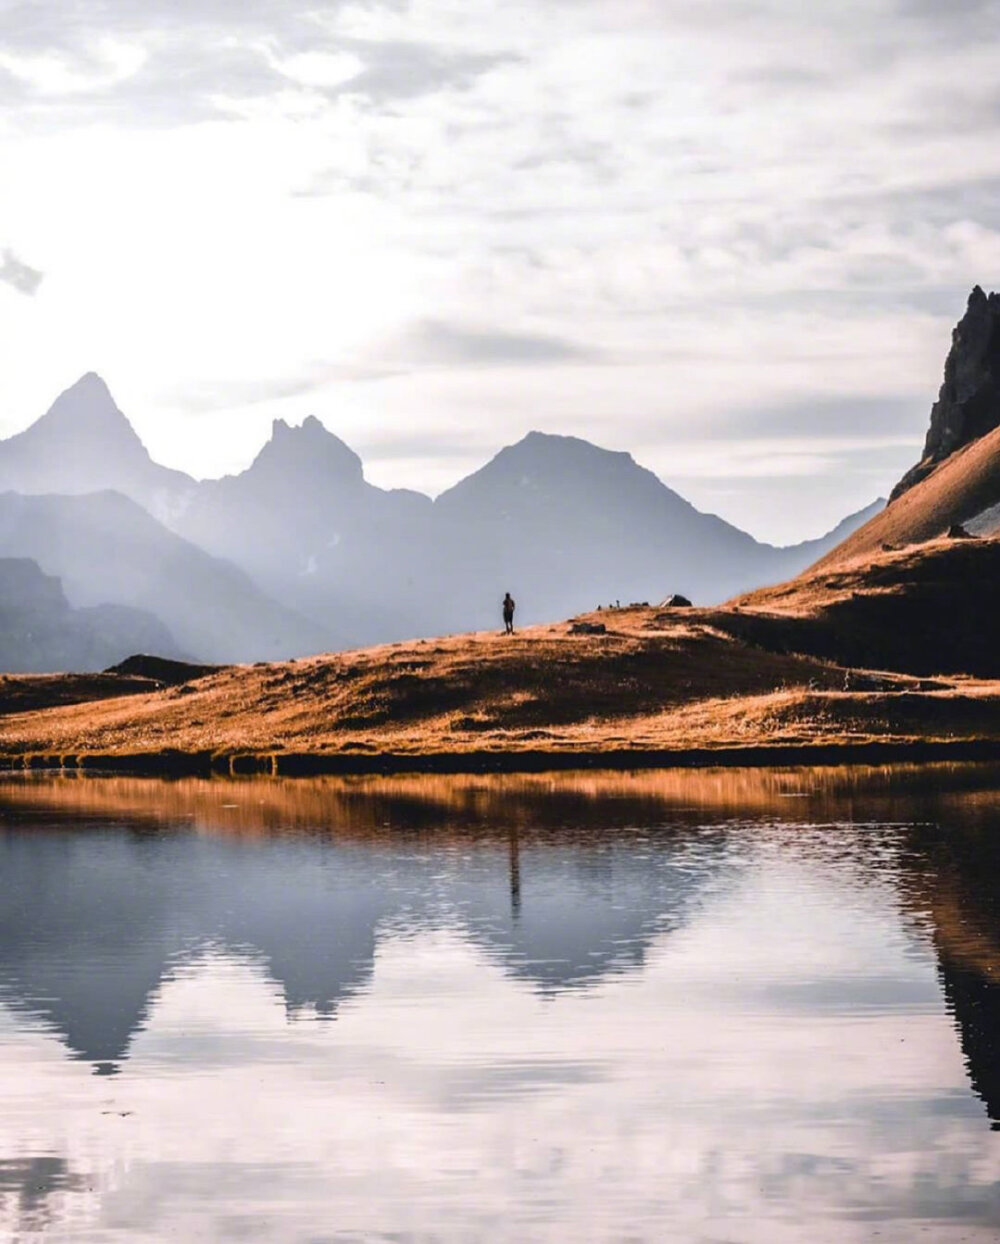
(731, 239)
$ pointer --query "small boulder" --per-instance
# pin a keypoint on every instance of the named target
(588, 628)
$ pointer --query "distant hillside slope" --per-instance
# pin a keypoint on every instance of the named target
(107, 550)
(40, 633)
(800, 556)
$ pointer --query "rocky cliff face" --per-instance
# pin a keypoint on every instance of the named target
(968, 405)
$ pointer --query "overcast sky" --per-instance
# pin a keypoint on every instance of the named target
(731, 238)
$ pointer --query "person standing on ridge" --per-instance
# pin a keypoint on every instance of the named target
(508, 614)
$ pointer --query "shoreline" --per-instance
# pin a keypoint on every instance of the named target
(172, 763)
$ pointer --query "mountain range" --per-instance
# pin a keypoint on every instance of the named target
(559, 522)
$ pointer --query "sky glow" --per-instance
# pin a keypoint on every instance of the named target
(731, 238)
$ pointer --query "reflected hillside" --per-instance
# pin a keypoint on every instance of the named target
(954, 883)
(491, 805)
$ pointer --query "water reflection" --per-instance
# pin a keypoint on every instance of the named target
(92, 923)
(952, 881)
(690, 1005)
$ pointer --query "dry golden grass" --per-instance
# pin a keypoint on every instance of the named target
(789, 666)
(484, 805)
(658, 680)
(20, 693)
(543, 687)
(962, 486)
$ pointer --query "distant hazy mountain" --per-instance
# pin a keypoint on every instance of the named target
(570, 526)
(798, 556)
(40, 633)
(304, 522)
(566, 526)
(562, 524)
(558, 522)
(107, 550)
(84, 443)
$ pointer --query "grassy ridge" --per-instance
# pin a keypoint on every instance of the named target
(838, 659)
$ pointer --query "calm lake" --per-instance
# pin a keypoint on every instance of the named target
(712, 1007)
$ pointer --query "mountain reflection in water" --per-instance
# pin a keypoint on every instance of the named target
(714, 977)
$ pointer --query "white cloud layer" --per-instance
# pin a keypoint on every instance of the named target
(663, 225)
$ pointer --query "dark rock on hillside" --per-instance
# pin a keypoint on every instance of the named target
(41, 633)
(968, 405)
(161, 670)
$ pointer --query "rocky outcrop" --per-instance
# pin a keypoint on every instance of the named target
(968, 405)
(161, 669)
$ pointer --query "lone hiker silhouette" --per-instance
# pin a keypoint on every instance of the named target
(508, 614)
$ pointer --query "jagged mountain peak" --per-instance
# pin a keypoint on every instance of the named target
(90, 382)
(979, 297)
(84, 443)
(310, 426)
(87, 407)
(968, 405)
(309, 448)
